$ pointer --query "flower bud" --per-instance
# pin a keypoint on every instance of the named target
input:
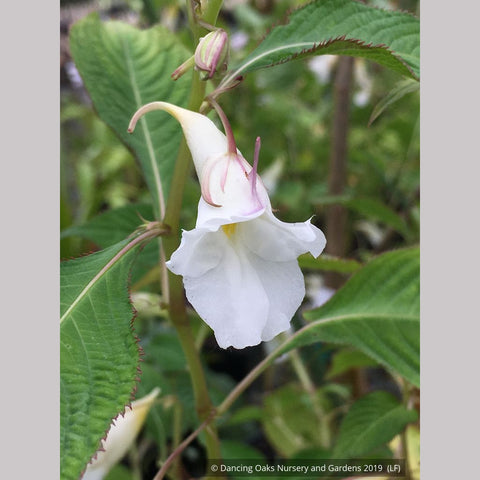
(212, 53)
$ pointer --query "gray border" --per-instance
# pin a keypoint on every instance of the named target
(29, 202)
(449, 239)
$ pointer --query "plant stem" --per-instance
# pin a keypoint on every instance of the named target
(245, 383)
(309, 387)
(177, 307)
(337, 214)
(178, 316)
(202, 334)
(227, 403)
(224, 406)
(177, 434)
(211, 11)
(161, 473)
(163, 272)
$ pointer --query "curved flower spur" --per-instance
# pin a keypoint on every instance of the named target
(239, 263)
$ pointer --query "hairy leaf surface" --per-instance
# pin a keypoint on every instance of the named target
(98, 351)
(341, 27)
(124, 68)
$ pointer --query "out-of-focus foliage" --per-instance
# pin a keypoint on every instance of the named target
(371, 421)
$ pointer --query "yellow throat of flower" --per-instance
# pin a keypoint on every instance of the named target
(229, 229)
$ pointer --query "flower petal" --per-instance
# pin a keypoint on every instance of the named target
(212, 218)
(275, 240)
(204, 139)
(233, 192)
(245, 299)
(200, 250)
(285, 288)
(230, 298)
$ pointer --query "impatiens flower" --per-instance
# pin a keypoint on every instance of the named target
(120, 437)
(239, 263)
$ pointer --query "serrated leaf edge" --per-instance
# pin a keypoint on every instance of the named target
(314, 47)
(141, 353)
(286, 21)
(106, 268)
(133, 392)
(138, 240)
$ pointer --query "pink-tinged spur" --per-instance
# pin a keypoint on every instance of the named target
(239, 263)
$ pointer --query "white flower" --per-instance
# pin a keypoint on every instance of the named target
(120, 437)
(239, 263)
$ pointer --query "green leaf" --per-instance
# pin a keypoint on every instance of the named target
(219, 385)
(165, 346)
(249, 413)
(124, 68)
(345, 360)
(372, 421)
(341, 27)
(285, 422)
(376, 311)
(159, 418)
(328, 263)
(112, 226)
(311, 453)
(304, 457)
(98, 352)
(232, 449)
(399, 91)
(373, 208)
(119, 472)
(369, 207)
